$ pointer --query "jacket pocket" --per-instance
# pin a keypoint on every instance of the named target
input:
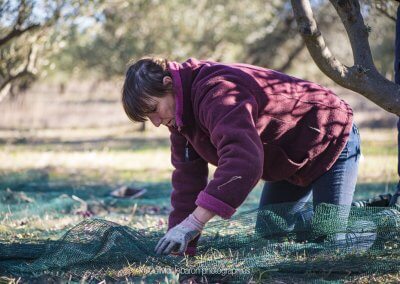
(277, 164)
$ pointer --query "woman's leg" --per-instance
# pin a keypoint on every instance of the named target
(337, 187)
(280, 219)
(282, 192)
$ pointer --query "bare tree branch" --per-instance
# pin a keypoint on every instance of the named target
(18, 29)
(27, 70)
(17, 32)
(23, 13)
(384, 7)
(363, 76)
(385, 12)
(315, 42)
(350, 14)
(4, 92)
(19, 60)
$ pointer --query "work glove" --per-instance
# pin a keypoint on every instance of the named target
(180, 236)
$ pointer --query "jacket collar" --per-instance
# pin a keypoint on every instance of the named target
(174, 68)
(182, 78)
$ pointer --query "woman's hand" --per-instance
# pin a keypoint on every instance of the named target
(180, 236)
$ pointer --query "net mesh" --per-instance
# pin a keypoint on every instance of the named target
(296, 243)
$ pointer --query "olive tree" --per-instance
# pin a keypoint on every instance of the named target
(30, 31)
(362, 77)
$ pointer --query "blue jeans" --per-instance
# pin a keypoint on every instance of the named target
(336, 186)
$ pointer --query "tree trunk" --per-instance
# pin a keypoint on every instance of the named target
(397, 80)
(363, 76)
(142, 127)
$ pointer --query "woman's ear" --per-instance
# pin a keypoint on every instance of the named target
(167, 80)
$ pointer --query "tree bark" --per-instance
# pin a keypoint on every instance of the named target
(397, 80)
(27, 65)
(362, 77)
(28, 69)
(17, 32)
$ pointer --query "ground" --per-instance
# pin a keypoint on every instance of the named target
(74, 150)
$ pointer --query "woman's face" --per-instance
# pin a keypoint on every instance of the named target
(164, 113)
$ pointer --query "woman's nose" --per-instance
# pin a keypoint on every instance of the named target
(156, 121)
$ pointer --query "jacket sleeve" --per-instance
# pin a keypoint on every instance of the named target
(229, 112)
(188, 179)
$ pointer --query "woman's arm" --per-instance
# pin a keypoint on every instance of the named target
(203, 215)
(189, 178)
(229, 112)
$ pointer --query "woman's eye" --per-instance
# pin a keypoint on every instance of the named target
(152, 110)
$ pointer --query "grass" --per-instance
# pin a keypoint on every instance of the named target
(40, 166)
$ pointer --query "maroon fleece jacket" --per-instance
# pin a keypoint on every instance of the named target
(251, 123)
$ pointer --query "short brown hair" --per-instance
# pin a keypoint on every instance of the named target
(143, 81)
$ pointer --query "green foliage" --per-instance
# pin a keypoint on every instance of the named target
(86, 37)
(218, 30)
(256, 32)
(31, 31)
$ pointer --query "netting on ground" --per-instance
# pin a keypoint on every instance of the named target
(328, 242)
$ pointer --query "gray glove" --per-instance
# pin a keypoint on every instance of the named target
(180, 236)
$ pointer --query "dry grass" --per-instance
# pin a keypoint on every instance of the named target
(94, 104)
(117, 151)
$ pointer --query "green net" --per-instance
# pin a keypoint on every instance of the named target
(330, 243)
(61, 230)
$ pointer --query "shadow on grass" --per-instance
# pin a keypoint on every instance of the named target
(33, 195)
(369, 190)
(40, 186)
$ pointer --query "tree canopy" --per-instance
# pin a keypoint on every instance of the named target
(100, 37)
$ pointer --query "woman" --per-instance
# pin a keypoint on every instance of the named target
(250, 122)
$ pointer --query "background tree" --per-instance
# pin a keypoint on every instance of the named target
(383, 7)
(281, 43)
(178, 29)
(97, 38)
(225, 31)
(128, 30)
(30, 32)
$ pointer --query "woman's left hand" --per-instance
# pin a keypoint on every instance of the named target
(180, 236)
